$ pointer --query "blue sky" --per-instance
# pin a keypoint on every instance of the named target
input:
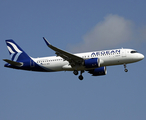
(72, 25)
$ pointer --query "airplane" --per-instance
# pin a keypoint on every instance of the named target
(94, 62)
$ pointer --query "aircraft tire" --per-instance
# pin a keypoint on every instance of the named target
(81, 77)
(126, 70)
(75, 72)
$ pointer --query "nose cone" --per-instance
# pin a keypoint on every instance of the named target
(141, 56)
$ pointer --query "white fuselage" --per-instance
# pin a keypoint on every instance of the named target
(93, 62)
(107, 58)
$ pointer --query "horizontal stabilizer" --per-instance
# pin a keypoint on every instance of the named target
(13, 62)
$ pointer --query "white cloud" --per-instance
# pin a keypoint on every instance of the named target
(142, 32)
(110, 32)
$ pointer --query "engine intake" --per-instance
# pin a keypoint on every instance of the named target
(98, 71)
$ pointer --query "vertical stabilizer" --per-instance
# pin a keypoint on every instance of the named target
(16, 53)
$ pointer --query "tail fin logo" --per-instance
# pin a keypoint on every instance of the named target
(14, 51)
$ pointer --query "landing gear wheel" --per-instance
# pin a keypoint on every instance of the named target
(75, 72)
(81, 77)
(126, 70)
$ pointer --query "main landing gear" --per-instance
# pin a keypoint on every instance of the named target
(80, 76)
(75, 72)
(126, 70)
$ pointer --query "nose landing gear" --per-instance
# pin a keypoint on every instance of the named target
(126, 70)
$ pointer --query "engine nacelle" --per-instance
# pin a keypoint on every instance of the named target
(98, 71)
(92, 63)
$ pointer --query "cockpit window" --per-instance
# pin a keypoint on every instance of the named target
(133, 51)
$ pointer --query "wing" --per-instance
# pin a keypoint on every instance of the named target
(71, 58)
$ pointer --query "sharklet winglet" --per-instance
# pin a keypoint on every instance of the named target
(46, 41)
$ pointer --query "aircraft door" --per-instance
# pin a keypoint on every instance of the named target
(123, 53)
